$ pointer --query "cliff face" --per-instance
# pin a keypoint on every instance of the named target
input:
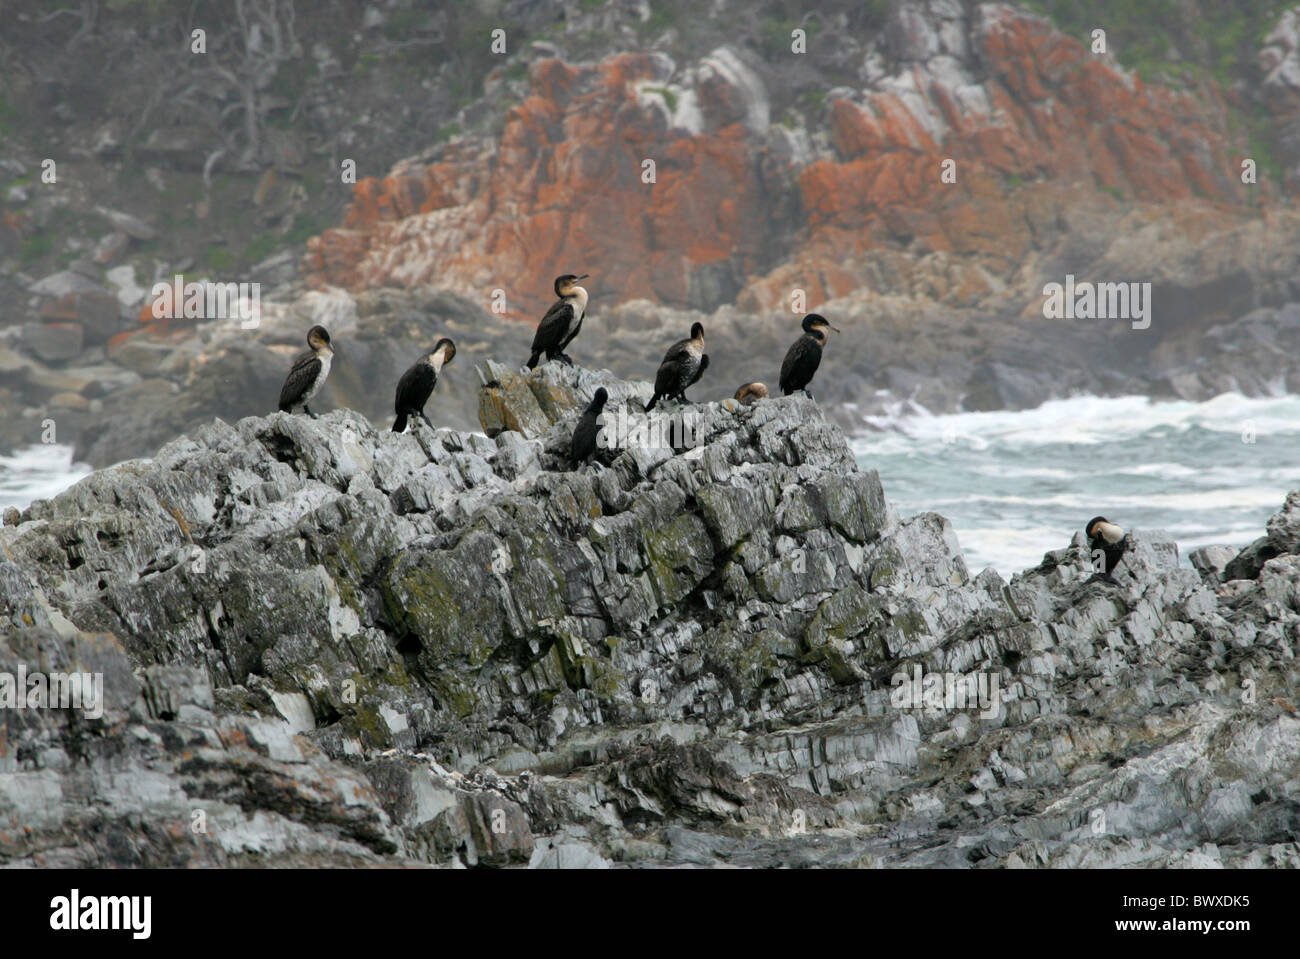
(840, 194)
(345, 646)
(782, 181)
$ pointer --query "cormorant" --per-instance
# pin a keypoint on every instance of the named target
(684, 363)
(585, 433)
(751, 393)
(562, 321)
(416, 385)
(308, 373)
(1105, 536)
(802, 360)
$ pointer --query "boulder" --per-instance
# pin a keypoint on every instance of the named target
(54, 342)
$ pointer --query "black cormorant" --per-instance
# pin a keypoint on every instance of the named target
(308, 373)
(416, 385)
(1105, 536)
(684, 363)
(562, 321)
(585, 433)
(802, 360)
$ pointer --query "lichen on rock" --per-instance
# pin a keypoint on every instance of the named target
(348, 646)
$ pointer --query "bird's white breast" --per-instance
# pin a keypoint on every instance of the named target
(1110, 532)
(579, 303)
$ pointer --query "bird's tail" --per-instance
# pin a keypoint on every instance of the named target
(532, 360)
(651, 405)
(399, 424)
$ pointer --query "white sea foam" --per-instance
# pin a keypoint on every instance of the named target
(1016, 484)
(37, 472)
(1089, 420)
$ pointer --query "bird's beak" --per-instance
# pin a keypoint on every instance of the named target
(583, 276)
(835, 328)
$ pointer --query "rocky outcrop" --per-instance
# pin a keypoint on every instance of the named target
(1279, 61)
(782, 181)
(345, 646)
(754, 196)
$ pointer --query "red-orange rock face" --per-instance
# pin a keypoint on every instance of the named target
(742, 209)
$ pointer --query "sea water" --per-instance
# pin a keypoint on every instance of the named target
(1016, 484)
(37, 472)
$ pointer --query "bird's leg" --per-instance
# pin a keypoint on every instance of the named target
(424, 416)
(307, 409)
(808, 393)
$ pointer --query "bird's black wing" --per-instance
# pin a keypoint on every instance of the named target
(670, 368)
(553, 328)
(304, 372)
(572, 336)
(414, 388)
(1116, 553)
(800, 364)
(584, 438)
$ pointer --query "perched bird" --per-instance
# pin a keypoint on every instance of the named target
(583, 443)
(308, 373)
(684, 363)
(805, 356)
(416, 385)
(751, 393)
(1109, 539)
(562, 321)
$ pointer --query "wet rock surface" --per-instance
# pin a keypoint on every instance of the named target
(326, 644)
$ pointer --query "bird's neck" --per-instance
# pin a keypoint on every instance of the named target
(578, 297)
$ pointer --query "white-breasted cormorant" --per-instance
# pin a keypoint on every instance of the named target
(684, 363)
(805, 356)
(416, 385)
(1110, 539)
(562, 321)
(585, 433)
(751, 393)
(308, 373)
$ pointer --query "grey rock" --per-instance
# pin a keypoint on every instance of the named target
(1212, 561)
(64, 283)
(344, 646)
(54, 342)
(132, 226)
